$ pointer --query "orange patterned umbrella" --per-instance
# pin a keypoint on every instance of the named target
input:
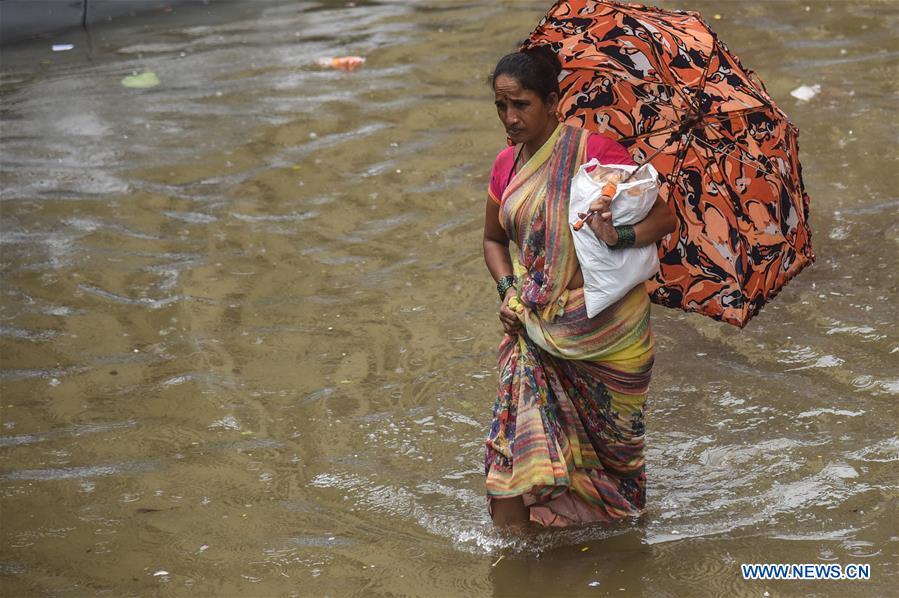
(662, 84)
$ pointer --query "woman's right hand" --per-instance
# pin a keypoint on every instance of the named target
(509, 319)
(601, 221)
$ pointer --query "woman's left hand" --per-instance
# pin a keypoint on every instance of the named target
(507, 313)
(601, 221)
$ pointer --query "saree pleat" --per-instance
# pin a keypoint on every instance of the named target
(567, 429)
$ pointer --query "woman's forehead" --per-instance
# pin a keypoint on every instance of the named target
(506, 86)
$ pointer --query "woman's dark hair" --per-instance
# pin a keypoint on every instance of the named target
(536, 69)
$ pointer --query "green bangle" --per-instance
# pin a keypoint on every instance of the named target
(626, 237)
(504, 284)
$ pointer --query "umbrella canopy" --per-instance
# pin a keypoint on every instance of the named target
(662, 84)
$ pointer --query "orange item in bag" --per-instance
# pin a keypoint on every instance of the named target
(608, 190)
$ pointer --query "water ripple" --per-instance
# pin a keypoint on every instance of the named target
(140, 301)
(92, 471)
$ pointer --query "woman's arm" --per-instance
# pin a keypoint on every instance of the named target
(496, 243)
(496, 255)
(659, 222)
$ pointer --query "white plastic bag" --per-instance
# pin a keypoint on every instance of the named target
(610, 273)
(633, 199)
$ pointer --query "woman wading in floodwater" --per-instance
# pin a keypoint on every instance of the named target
(566, 442)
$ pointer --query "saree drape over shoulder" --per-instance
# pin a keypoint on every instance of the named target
(567, 430)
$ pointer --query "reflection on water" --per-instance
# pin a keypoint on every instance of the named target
(248, 337)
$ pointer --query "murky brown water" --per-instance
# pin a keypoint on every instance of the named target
(248, 338)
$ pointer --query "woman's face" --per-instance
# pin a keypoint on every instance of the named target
(523, 114)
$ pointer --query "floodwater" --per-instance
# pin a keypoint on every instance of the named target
(248, 339)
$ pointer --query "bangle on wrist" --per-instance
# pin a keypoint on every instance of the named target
(504, 284)
(626, 237)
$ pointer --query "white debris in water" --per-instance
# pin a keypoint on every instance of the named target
(160, 573)
(62, 47)
(229, 422)
(177, 380)
(54, 382)
(805, 92)
(839, 233)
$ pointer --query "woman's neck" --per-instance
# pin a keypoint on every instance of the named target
(533, 146)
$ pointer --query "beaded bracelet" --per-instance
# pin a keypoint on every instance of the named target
(504, 284)
(626, 237)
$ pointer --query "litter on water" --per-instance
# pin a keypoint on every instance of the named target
(805, 92)
(340, 63)
(143, 80)
(62, 47)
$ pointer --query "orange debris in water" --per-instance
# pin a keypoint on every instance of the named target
(341, 63)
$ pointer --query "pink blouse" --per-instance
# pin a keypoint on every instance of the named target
(600, 147)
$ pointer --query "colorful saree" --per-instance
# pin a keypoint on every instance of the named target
(567, 430)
